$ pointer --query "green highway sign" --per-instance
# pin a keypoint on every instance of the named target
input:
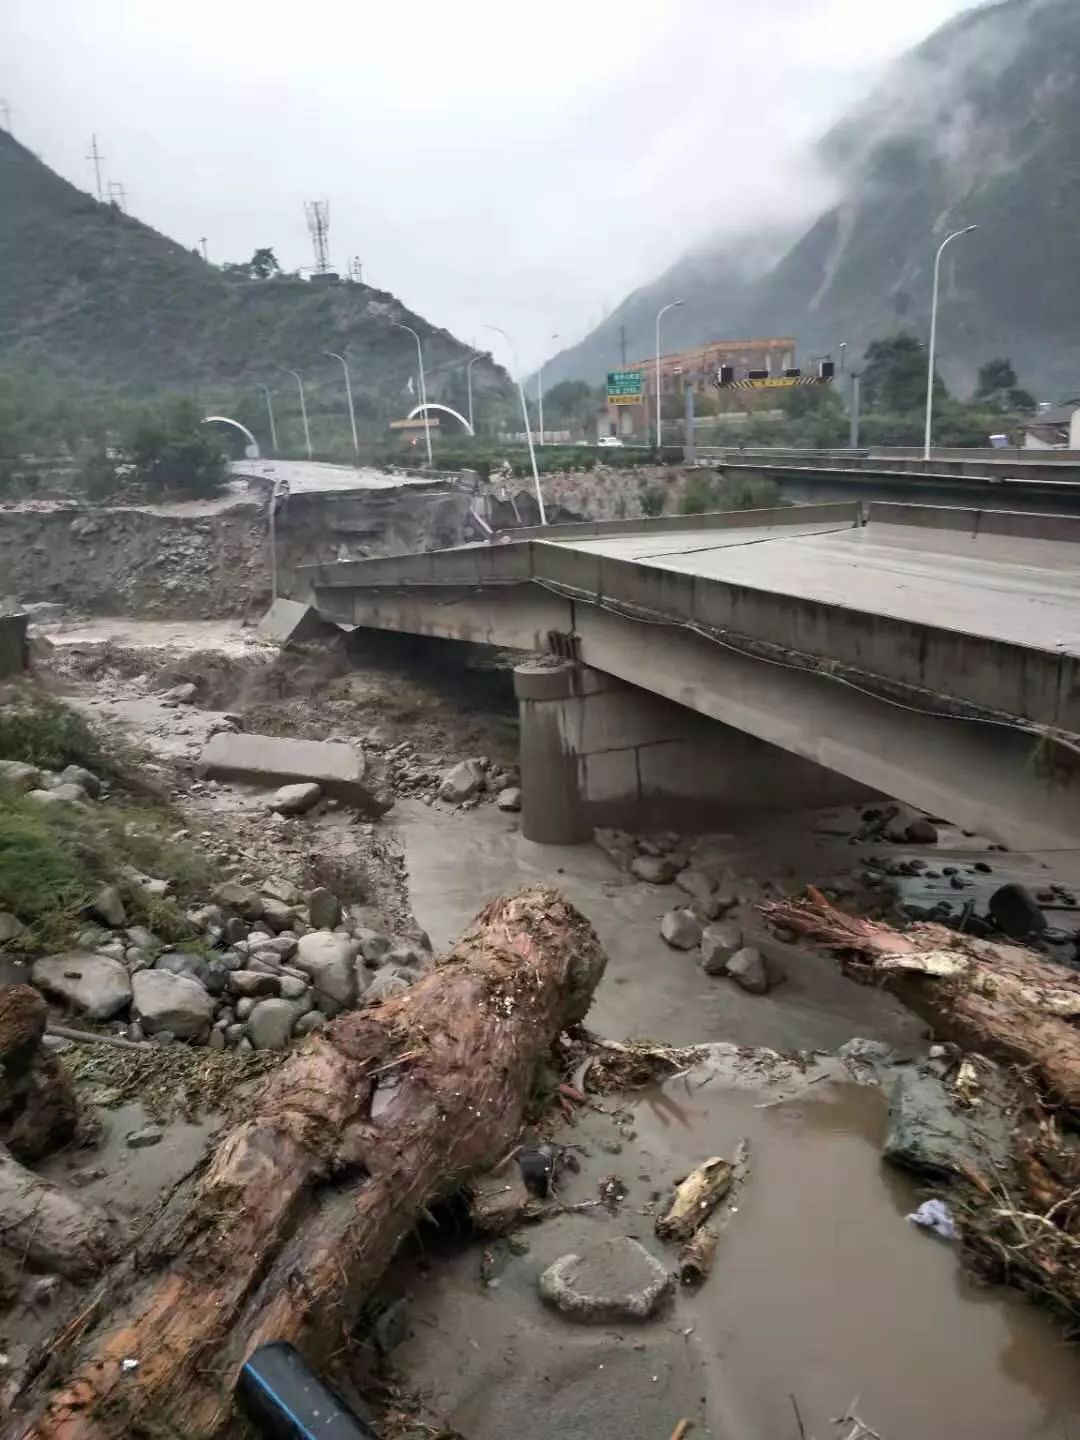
(624, 387)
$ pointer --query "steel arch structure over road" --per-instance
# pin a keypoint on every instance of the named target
(418, 409)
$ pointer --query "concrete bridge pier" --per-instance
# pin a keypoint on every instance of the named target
(598, 751)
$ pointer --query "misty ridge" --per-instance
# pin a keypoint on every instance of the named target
(978, 124)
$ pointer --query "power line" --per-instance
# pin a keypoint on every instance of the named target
(97, 157)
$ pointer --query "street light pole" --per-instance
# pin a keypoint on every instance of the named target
(303, 409)
(540, 397)
(332, 355)
(933, 334)
(528, 425)
(270, 416)
(468, 385)
(423, 387)
(843, 354)
(659, 403)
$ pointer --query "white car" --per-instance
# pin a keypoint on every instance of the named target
(610, 442)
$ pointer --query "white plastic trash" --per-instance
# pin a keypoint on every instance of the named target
(935, 1215)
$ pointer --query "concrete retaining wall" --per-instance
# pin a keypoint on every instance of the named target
(14, 652)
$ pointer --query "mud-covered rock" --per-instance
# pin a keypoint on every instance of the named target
(718, 943)
(461, 782)
(324, 909)
(328, 959)
(295, 799)
(654, 869)
(681, 929)
(174, 1003)
(616, 1279)
(1015, 911)
(85, 779)
(270, 1024)
(509, 798)
(93, 985)
(747, 968)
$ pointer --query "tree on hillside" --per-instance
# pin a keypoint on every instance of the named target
(571, 404)
(999, 389)
(170, 452)
(263, 265)
(894, 374)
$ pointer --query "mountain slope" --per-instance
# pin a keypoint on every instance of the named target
(86, 290)
(979, 125)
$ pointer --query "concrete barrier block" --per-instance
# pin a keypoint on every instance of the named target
(271, 761)
(292, 622)
(14, 650)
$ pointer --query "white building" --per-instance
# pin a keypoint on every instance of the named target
(1055, 428)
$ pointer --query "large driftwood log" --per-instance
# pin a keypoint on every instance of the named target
(1000, 999)
(304, 1203)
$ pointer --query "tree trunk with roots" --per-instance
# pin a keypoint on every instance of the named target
(1000, 999)
(385, 1112)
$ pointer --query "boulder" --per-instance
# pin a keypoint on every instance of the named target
(1015, 912)
(747, 968)
(681, 929)
(109, 907)
(277, 914)
(927, 1132)
(921, 831)
(94, 985)
(142, 938)
(281, 947)
(328, 959)
(309, 1023)
(461, 782)
(718, 944)
(177, 1003)
(10, 927)
(655, 869)
(509, 798)
(386, 984)
(295, 799)
(270, 1024)
(696, 884)
(324, 909)
(58, 795)
(374, 947)
(183, 962)
(293, 988)
(250, 983)
(245, 900)
(613, 1280)
(19, 776)
(85, 779)
(182, 694)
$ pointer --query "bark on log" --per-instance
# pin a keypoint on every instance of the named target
(303, 1204)
(1000, 999)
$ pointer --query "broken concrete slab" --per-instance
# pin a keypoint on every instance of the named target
(291, 622)
(615, 1280)
(340, 770)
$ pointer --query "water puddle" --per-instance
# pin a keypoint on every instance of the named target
(824, 1291)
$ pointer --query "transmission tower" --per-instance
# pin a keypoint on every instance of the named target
(97, 157)
(5, 116)
(356, 270)
(118, 196)
(318, 222)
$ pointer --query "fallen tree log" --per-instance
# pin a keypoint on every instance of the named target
(50, 1229)
(991, 996)
(301, 1207)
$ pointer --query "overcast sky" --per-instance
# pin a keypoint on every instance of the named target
(488, 160)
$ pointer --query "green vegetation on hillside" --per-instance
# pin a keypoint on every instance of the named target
(99, 312)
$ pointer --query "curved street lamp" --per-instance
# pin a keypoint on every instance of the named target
(525, 417)
(333, 355)
(540, 397)
(423, 387)
(303, 409)
(468, 385)
(933, 334)
(672, 305)
(270, 415)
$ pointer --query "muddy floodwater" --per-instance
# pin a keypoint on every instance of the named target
(822, 1289)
